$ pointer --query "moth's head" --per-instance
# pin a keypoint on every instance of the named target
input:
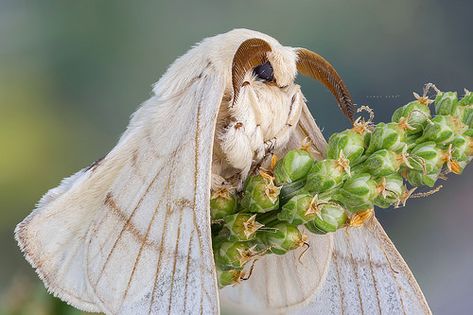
(256, 59)
(244, 56)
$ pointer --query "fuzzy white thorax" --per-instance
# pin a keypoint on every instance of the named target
(263, 116)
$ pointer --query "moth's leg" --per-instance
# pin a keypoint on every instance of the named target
(260, 147)
(282, 136)
(217, 182)
(249, 112)
(258, 144)
(236, 146)
(254, 103)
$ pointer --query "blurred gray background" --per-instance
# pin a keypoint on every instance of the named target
(72, 72)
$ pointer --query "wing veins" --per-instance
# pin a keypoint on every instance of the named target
(127, 223)
(163, 237)
(175, 258)
(196, 178)
(355, 271)
(393, 275)
(138, 257)
(375, 282)
(187, 272)
(297, 274)
(342, 297)
(283, 274)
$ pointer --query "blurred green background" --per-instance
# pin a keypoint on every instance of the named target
(72, 72)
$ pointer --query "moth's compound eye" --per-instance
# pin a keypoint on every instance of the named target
(264, 72)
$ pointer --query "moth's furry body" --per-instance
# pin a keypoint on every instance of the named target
(260, 121)
(131, 234)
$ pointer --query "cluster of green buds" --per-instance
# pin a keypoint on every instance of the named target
(366, 166)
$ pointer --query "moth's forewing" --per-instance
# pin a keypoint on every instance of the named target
(131, 234)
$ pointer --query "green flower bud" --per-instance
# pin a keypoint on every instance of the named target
(228, 277)
(469, 151)
(390, 189)
(446, 103)
(261, 194)
(467, 116)
(412, 117)
(330, 217)
(426, 157)
(290, 190)
(284, 237)
(461, 148)
(326, 174)
(234, 255)
(468, 133)
(293, 166)
(222, 203)
(419, 178)
(242, 226)
(382, 163)
(357, 193)
(387, 136)
(299, 209)
(467, 99)
(439, 131)
(349, 144)
(411, 140)
(456, 124)
(215, 228)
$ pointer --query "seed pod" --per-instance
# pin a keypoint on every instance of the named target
(388, 136)
(357, 193)
(283, 237)
(426, 157)
(390, 189)
(419, 178)
(261, 194)
(330, 217)
(446, 103)
(349, 144)
(383, 163)
(299, 209)
(293, 166)
(439, 131)
(412, 117)
(290, 190)
(326, 174)
(228, 277)
(242, 226)
(222, 203)
(234, 255)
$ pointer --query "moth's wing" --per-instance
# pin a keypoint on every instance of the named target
(307, 129)
(131, 234)
(367, 275)
(279, 283)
